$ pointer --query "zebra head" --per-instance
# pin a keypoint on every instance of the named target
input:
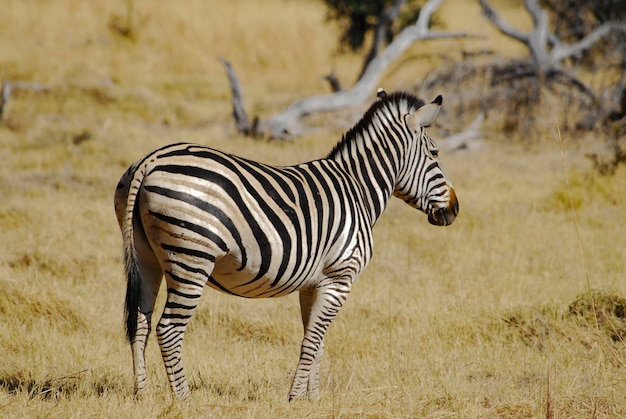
(423, 183)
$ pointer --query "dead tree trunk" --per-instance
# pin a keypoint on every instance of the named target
(287, 124)
(5, 94)
(546, 49)
(244, 125)
(385, 20)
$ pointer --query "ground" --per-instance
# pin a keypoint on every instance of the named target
(516, 310)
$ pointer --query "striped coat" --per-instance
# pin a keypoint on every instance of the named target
(197, 217)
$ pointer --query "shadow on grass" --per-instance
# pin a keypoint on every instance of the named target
(82, 383)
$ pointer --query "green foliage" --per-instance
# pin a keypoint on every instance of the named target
(358, 17)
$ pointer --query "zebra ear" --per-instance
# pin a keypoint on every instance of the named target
(425, 115)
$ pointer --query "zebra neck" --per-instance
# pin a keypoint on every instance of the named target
(374, 169)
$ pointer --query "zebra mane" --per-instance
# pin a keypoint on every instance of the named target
(395, 100)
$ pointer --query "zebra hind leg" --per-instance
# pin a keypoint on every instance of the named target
(183, 296)
(138, 348)
(318, 307)
(150, 277)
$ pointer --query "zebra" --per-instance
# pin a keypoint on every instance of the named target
(198, 216)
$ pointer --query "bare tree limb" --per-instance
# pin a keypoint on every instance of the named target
(548, 52)
(385, 19)
(561, 51)
(546, 49)
(560, 75)
(539, 38)
(468, 139)
(333, 80)
(239, 111)
(536, 39)
(426, 12)
(5, 94)
(286, 124)
(502, 26)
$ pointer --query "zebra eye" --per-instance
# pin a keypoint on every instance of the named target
(434, 152)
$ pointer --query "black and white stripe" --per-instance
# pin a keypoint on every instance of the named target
(202, 217)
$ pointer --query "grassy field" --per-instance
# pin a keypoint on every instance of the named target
(516, 310)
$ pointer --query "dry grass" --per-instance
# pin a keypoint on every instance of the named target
(491, 317)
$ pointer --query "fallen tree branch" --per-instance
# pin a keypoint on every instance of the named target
(562, 51)
(5, 94)
(559, 75)
(546, 49)
(503, 26)
(286, 124)
(333, 80)
(468, 139)
(239, 112)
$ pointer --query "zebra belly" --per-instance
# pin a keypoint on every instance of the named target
(247, 284)
(202, 249)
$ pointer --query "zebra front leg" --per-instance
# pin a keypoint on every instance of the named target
(306, 301)
(183, 296)
(323, 304)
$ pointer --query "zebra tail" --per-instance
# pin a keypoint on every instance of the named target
(131, 263)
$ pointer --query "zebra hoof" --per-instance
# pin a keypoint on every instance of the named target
(141, 393)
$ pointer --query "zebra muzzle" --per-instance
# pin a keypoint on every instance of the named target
(446, 215)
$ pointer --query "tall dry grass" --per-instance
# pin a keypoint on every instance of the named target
(491, 317)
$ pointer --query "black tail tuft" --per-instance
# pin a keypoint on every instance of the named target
(133, 293)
